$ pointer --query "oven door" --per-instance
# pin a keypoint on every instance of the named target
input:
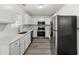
(41, 33)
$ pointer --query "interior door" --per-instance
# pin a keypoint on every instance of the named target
(67, 44)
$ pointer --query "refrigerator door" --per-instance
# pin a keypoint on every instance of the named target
(66, 42)
(78, 41)
(53, 41)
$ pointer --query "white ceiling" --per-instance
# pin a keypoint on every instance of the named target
(48, 10)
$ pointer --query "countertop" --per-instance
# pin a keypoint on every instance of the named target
(9, 37)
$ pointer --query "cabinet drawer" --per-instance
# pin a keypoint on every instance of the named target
(14, 44)
(22, 40)
(14, 51)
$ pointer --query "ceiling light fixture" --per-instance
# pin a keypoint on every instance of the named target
(41, 6)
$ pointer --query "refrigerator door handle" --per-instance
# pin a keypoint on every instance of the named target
(77, 28)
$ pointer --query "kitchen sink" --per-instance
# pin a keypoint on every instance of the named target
(22, 32)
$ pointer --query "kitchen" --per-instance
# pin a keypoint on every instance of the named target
(22, 24)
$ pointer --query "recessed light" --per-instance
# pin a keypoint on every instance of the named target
(41, 6)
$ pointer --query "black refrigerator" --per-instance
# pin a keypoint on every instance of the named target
(64, 35)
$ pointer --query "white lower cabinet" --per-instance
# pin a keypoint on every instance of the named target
(27, 41)
(35, 33)
(15, 51)
(19, 46)
(14, 48)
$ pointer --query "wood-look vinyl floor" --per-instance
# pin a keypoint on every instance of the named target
(39, 47)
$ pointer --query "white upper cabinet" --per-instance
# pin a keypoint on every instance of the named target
(7, 19)
(27, 19)
(12, 13)
(9, 12)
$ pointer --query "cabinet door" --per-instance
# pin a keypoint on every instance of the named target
(29, 37)
(47, 31)
(14, 51)
(67, 42)
(21, 46)
(27, 41)
(35, 33)
(14, 48)
(78, 42)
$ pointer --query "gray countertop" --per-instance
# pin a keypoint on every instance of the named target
(9, 37)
